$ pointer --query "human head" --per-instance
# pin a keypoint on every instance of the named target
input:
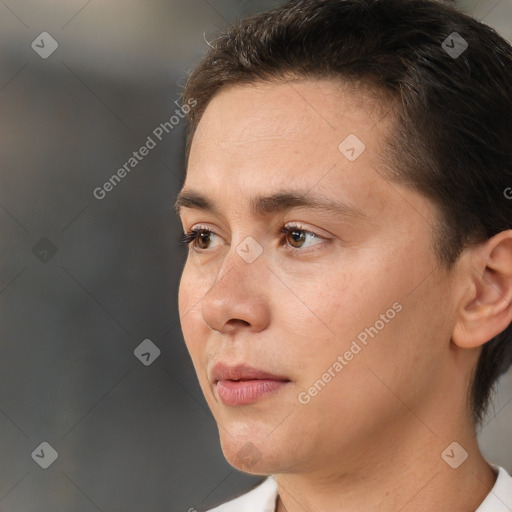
(452, 137)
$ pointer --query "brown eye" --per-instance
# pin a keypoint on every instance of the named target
(300, 240)
(198, 239)
(296, 237)
(202, 240)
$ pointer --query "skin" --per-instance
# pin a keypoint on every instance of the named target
(372, 438)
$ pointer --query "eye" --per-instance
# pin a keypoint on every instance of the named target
(197, 238)
(297, 237)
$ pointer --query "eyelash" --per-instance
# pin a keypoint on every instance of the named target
(190, 237)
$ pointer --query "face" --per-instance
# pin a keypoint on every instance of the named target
(309, 300)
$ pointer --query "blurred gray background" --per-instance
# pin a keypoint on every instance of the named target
(83, 281)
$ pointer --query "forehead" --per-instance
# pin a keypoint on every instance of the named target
(291, 111)
(255, 143)
(256, 137)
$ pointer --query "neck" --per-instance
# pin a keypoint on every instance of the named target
(408, 474)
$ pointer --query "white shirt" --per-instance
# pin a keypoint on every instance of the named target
(264, 497)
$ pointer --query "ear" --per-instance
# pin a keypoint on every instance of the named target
(486, 308)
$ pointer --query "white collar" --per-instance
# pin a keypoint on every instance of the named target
(500, 497)
(261, 499)
(264, 497)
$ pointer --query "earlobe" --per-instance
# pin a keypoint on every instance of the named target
(486, 310)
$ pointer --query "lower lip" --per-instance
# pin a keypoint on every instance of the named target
(244, 392)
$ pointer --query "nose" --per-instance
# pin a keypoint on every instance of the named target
(239, 298)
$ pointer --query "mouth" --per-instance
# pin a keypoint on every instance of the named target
(243, 385)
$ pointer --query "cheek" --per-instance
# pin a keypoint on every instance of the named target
(335, 301)
(362, 300)
(190, 293)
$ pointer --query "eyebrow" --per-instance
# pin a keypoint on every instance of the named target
(267, 205)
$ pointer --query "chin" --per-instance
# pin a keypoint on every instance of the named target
(249, 458)
(250, 454)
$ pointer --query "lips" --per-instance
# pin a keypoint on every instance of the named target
(223, 371)
(243, 385)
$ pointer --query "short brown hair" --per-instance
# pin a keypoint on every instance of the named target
(453, 136)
